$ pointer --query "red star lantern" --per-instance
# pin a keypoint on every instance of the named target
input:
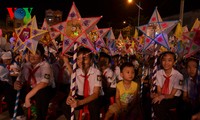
(75, 29)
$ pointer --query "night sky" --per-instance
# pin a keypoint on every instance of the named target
(114, 12)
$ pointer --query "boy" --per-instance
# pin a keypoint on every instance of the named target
(126, 91)
(37, 75)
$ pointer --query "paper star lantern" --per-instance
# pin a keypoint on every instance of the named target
(194, 38)
(96, 35)
(110, 37)
(49, 38)
(156, 30)
(112, 47)
(75, 29)
(29, 35)
(196, 25)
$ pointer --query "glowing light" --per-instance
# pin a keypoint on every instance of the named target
(130, 1)
(76, 33)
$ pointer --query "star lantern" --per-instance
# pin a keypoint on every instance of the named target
(97, 35)
(112, 47)
(29, 36)
(110, 37)
(49, 38)
(194, 46)
(156, 31)
(75, 29)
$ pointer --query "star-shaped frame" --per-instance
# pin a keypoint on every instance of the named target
(156, 31)
(29, 35)
(75, 29)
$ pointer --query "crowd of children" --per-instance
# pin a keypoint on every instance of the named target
(111, 84)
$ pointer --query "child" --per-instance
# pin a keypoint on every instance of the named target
(169, 85)
(88, 86)
(7, 93)
(11, 65)
(126, 91)
(116, 68)
(191, 88)
(62, 71)
(37, 75)
(109, 78)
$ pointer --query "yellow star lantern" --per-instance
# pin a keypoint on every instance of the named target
(49, 38)
(29, 36)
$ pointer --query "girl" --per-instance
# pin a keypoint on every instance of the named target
(88, 86)
(169, 85)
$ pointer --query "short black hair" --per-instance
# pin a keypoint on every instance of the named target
(192, 59)
(40, 49)
(168, 52)
(105, 55)
(126, 64)
(84, 51)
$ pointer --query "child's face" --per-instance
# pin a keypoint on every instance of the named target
(103, 62)
(115, 61)
(167, 61)
(192, 68)
(128, 73)
(86, 62)
(34, 58)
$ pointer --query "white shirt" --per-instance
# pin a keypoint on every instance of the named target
(43, 74)
(110, 76)
(117, 73)
(176, 80)
(94, 80)
(4, 74)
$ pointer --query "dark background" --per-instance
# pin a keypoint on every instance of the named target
(114, 12)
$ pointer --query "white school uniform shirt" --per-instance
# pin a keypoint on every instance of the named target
(117, 73)
(176, 80)
(4, 74)
(43, 74)
(94, 80)
(110, 76)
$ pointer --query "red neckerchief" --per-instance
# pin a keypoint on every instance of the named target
(165, 88)
(31, 78)
(86, 91)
